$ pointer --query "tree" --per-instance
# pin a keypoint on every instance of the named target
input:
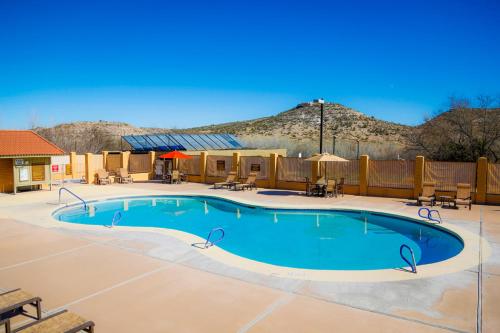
(465, 132)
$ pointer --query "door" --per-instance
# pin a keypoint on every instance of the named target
(6, 175)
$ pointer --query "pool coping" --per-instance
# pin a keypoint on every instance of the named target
(466, 259)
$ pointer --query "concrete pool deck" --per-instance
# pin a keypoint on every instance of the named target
(131, 281)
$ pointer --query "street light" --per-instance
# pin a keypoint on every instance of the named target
(321, 102)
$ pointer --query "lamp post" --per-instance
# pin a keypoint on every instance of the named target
(321, 102)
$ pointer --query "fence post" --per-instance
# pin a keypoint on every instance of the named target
(273, 168)
(235, 165)
(419, 176)
(124, 156)
(482, 175)
(72, 163)
(364, 161)
(152, 158)
(89, 168)
(203, 166)
(105, 159)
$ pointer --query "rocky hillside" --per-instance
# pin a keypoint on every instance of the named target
(299, 124)
(302, 123)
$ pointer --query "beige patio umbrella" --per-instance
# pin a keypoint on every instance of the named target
(325, 157)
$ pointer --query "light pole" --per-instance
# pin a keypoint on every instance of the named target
(321, 102)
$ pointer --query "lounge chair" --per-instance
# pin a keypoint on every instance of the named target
(123, 176)
(103, 177)
(12, 304)
(249, 184)
(428, 194)
(331, 188)
(60, 322)
(230, 181)
(463, 196)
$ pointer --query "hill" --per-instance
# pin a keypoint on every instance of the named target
(295, 129)
(302, 123)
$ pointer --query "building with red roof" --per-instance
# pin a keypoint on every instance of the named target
(25, 159)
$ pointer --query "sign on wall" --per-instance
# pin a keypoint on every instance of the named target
(24, 175)
(19, 162)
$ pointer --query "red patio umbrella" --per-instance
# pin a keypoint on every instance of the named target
(175, 154)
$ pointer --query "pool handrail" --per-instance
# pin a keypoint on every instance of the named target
(73, 194)
(412, 264)
(208, 243)
(429, 216)
(116, 218)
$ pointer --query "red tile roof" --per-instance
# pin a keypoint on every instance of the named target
(26, 143)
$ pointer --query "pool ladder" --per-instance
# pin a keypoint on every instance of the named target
(428, 215)
(73, 194)
(208, 242)
(116, 218)
(413, 263)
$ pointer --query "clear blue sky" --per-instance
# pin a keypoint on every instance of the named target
(186, 63)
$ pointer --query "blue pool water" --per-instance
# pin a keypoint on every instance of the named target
(313, 239)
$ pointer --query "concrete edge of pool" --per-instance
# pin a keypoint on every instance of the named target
(467, 258)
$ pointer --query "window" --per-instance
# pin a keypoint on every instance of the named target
(37, 172)
(221, 165)
(255, 167)
(24, 174)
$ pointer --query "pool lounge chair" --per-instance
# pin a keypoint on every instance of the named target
(249, 184)
(463, 195)
(103, 177)
(12, 304)
(230, 181)
(428, 194)
(123, 176)
(60, 322)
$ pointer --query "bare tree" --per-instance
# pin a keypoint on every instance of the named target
(33, 121)
(465, 132)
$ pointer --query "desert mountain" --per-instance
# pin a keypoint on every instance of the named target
(297, 125)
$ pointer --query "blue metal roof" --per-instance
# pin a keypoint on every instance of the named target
(169, 142)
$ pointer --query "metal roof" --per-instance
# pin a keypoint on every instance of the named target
(169, 142)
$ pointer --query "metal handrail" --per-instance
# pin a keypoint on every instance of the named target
(208, 243)
(429, 216)
(73, 194)
(412, 264)
(438, 219)
(116, 218)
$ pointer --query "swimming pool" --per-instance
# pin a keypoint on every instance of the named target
(306, 239)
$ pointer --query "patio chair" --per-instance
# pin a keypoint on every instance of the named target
(428, 194)
(316, 189)
(340, 186)
(331, 188)
(123, 176)
(63, 321)
(230, 181)
(12, 304)
(103, 177)
(249, 184)
(463, 195)
(176, 177)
